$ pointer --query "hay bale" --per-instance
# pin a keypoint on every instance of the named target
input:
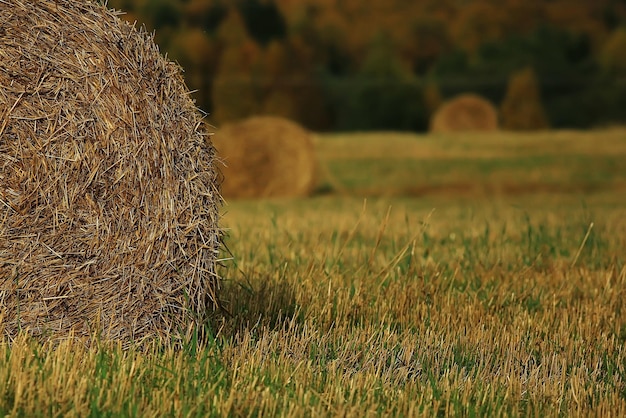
(266, 157)
(467, 112)
(108, 187)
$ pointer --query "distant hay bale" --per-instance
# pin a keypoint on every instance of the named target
(266, 157)
(467, 112)
(108, 189)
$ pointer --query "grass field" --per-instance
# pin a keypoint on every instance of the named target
(473, 165)
(470, 276)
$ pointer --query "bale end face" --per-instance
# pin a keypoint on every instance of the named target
(108, 186)
(464, 113)
(266, 157)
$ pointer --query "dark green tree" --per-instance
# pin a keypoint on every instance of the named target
(263, 20)
(383, 95)
(159, 14)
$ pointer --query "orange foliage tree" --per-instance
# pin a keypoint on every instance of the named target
(288, 57)
(198, 55)
(521, 108)
(236, 87)
(613, 53)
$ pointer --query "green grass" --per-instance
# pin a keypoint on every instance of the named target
(508, 175)
(478, 304)
(504, 163)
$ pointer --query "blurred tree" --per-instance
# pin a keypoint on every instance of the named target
(432, 98)
(455, 73)
(323, 41)
(383, 95)
(614, 14)
(613, 53)
(563, 61)
(565, 67)
(462, 45)
(198, 55)
(159, 14)
(292, 88)
(577, 16)
(523, 16)
(232, 29)
(129, 9)
(428, 39)
(123, 5)
(478, 22)
(522, 108)
(236, 92)
(205, 14)
(263, 20)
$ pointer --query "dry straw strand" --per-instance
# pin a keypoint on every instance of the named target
(109, 195)
(266, 156)
(466, 112)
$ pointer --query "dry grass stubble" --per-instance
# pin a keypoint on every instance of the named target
(474, 309)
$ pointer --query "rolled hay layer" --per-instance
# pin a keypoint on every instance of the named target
(467, 112)
(266, 156)
(108, 189)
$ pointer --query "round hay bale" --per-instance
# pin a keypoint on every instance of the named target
(108, 189)
(266, 156)
(467, 112)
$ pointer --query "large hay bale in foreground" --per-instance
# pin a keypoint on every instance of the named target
(266, 157)
(108, 190)
(467, 112)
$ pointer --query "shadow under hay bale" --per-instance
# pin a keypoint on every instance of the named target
(467, 112)
(108, 188)
(266, 157)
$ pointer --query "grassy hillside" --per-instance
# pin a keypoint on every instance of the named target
(498, 304)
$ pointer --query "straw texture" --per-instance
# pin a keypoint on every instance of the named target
(266, 156)
(467, 112)
(109, 197)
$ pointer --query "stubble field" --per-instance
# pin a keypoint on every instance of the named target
(472, 276)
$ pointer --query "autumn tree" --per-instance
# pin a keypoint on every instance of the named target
(432, 98)
(613, 53)
(522, 108)
(293, 89)
(462, 45)
(205, 14)
(161, 13)
(198, 54)
(427, 40)
(236, 90)
(263, 20)
(478, 22)
(383, 94)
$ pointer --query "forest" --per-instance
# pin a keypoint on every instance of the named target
(346, 65)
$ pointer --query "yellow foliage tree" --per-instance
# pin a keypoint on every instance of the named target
(478, 22)
(198, 55)
(613, 54)
(290, 87)
(432, 98)
(236, 86)
(521, 108)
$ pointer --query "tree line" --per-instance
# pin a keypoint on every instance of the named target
(388, 64)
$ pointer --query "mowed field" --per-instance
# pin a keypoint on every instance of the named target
(452, 275)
